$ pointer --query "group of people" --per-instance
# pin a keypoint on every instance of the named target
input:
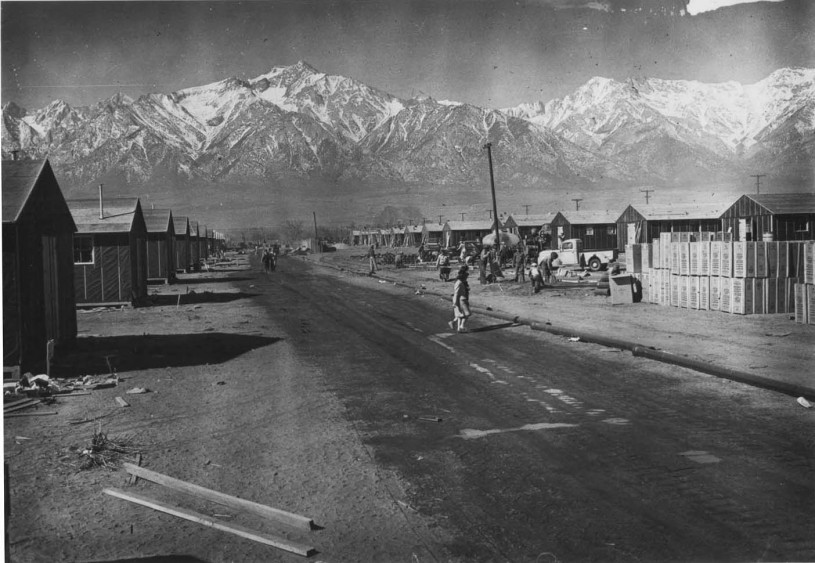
(269, 259)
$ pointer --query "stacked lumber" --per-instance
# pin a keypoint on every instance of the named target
(697, 271)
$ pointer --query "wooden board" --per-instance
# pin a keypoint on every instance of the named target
(221, 498)
(203, 519)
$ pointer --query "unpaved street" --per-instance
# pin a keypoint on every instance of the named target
(350, 401)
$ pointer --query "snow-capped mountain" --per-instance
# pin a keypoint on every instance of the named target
(296, 122)
(721, 124)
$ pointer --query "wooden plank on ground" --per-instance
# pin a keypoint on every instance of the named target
(25, 405)
(135, 478)
(28, 414)
(122, 402)
(203, 519)
(262, 510)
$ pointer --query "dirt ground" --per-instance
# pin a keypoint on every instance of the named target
(219, 416)
(232, 407)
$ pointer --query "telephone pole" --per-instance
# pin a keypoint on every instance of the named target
(526, 209)
(317, 238)
(758, 178)
(440, 216)
(576, 203)
(647, 195)
(497, 243)
(490, 212)
(462, 215)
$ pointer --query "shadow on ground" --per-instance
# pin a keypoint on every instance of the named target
(195, 297)
(191, 281)
(138, 352)
(155, 559)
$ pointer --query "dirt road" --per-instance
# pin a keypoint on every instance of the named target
(347, 400)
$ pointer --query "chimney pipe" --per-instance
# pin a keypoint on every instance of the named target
(14, 154)
(101, 205)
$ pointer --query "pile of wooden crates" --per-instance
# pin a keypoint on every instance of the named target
(706, 270)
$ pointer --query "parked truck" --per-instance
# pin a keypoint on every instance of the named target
(572, 255)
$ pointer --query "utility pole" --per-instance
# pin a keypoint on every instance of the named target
(576, 203)
(490, 212)
(758, 178)
(488, 146)
(319, 246)
(647, 195)
(462, 215)
(526, 209)
(440, 216)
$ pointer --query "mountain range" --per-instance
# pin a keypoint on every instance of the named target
(296, 134)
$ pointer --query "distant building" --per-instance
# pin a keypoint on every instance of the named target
(529, 226)
(433, 233)
(160, 245)
(413, 235)
(182, 243)
(781, 217)
(597, 229)
(641, 224)
(455, 232)
(38, 284)
(195, 247)
(110, 251)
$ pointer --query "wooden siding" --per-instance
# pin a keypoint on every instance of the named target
(114, 275)
(160, 259)
(182, 254)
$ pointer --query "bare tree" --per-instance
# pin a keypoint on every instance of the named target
(294, 230)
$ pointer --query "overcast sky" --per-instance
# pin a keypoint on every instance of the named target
(490, 53)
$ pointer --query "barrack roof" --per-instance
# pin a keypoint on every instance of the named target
(590, 216)
(117, 214)
(784, 204)
(157, 220)
(181, 225)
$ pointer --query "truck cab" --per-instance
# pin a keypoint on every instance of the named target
(570, 251)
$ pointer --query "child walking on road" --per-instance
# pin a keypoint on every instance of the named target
(461, 301)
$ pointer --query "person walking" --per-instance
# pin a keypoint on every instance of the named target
(443, 265)
(519, 261)
(266, 261)
(372, 260)
(461, 301)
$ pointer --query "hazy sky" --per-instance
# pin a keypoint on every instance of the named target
(488, 52)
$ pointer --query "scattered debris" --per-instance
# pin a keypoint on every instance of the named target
(104, 452)
(574, 339)
(122, 402)
(777, 334)
(137, 391)
(39, 413)
(804, 403)
(430, 418)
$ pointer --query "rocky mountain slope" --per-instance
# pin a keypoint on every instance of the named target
(298, 126)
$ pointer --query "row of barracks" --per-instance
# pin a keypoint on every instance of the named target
(780, 217)
(62, 254)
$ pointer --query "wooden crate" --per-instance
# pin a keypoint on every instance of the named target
(726, 294)
(704, 293)
(715, 293)
(760, 259)
(693, 260)
(704, 258)
(758, 296)
(715, 258)
(674, 290)
(771, 296)
(684, 258)
(741, 296)
(801, 304)
(693, 291)
(771, 249)
(744, 260)
(726, 260)
(810, 299)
